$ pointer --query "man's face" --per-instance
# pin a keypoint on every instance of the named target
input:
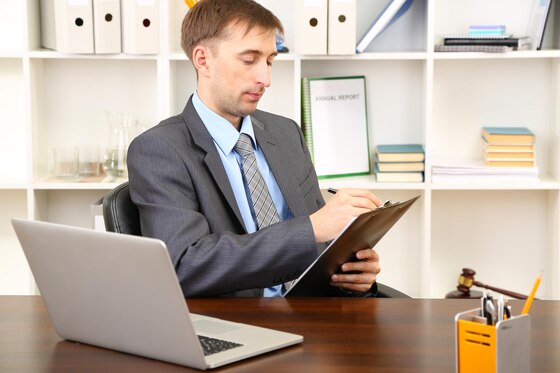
(239, 72)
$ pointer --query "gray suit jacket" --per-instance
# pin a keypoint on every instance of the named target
(184, 197)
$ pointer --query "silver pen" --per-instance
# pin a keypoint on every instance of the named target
(500, 308)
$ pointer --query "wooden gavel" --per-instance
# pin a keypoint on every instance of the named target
(466, 281)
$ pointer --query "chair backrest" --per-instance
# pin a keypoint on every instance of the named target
(120, 213)
(384, 291)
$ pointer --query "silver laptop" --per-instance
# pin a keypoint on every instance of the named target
(121, 292)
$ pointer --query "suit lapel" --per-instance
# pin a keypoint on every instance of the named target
(202, 138)
(272, 151)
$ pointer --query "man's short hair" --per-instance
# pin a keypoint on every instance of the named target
(209, 20)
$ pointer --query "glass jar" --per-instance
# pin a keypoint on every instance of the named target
(122, 129)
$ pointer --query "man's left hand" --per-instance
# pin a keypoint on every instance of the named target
(363, 272)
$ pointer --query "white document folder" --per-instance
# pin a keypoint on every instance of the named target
(107, 26)
(312, 26)
(67, 26)
(342, 27)
(336, 126)
(140, 26)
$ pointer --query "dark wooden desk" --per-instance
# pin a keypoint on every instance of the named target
(341, 335)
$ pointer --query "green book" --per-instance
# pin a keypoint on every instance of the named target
(334, 123)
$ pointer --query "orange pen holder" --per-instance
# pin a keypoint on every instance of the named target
(481, 348)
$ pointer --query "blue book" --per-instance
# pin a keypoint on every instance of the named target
(392, 12)
(508, 130)
(487, 29)
(400, 153)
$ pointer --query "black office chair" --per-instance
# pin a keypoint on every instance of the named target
(120, 213)
(121, 216)
(384, 291)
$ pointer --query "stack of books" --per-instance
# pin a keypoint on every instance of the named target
(508, 155)
(484, 38)
(508, 146)
(515, 42)
(399, 163)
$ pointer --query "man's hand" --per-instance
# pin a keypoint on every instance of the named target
(367, 268)
(339, 210)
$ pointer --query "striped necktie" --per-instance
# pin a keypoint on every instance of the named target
(265, 210)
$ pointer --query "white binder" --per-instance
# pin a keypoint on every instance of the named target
(342, 27)
(67, 25)
(140, 26)
(312, 26)
(107, 26)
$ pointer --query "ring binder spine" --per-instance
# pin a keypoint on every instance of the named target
(306, 116)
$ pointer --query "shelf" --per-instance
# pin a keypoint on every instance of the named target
(50, 54)
(545, 182)
(371, 56)
(8, 54)
(414, 95)
(367, 182)
(507, 230)
(67, 206)
(14, 138)
(13, 186)
(128, 86)
(180, 56)
(101, 182)
(492, 56)
(12, 17)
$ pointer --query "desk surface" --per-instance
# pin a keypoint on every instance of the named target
(340, 335)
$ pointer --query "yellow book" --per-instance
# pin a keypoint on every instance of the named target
(509, 156)
(508, 135)
(512, 148)
(503, 163)
(400, 166)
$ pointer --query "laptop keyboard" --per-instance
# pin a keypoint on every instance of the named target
(212, 345)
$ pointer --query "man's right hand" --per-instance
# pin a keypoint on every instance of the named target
(339, 210)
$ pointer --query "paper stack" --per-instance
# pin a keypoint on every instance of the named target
(474, 170)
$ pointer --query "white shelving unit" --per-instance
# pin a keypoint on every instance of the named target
(508, 233)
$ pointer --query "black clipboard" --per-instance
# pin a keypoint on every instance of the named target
(363, 232)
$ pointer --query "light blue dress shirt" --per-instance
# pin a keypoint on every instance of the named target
(225, 137)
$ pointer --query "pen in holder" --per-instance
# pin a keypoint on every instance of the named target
(504, 347)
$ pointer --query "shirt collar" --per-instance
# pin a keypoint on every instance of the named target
(222, 131)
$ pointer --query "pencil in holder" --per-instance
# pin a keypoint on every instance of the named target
(504, 347)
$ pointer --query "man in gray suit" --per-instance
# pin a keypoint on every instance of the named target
(189, 180)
